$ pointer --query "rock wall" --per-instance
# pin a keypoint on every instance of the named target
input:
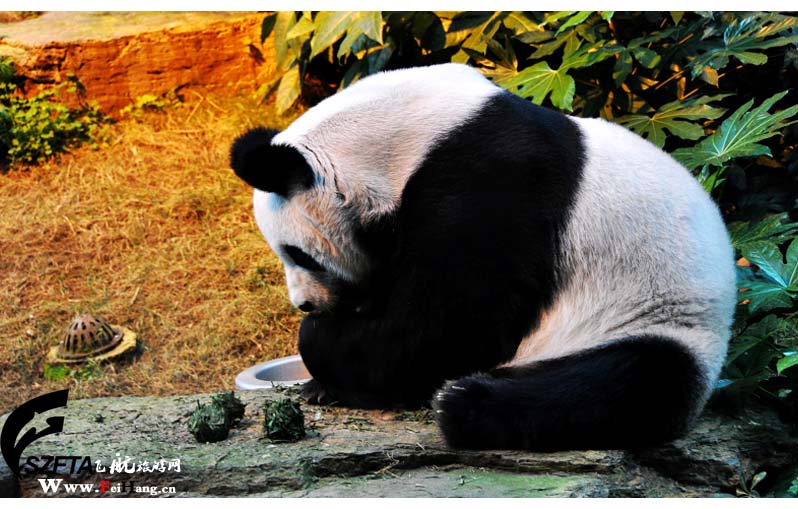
(397, 454)
(118, 57)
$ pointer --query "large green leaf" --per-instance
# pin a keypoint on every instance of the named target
(585, 56)
(755, 334)
(378, 59)
(791, 267)
(672, 117)
(373, 60)
(552, 44)
(540, 80)
(304, 26)
(284, 22)
(480, 28)
(574, 20)
(329, 27)
(768, 258)
(739, 135)
(779, 287)
(427, 30)
(710, 178)
(363, 24)
(648, 58)
(370, 23)
(288, 90)
(623, 67)
(470, 20)
(519, 23)
(552, 18)
(772, 228)
(787, 361)
(764, 296)
(354, 42)
(743, 39)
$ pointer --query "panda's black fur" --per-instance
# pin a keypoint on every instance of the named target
(461, 271)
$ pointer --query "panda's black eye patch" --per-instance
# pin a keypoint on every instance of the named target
(302, 259)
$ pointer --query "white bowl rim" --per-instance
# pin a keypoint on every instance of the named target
(248, 379)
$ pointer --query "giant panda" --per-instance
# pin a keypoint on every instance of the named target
(546, 282)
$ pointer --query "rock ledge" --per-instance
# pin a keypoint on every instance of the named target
(381, 453)
(120, 56)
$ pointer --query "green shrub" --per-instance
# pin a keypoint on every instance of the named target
(34, 129)
(716, 90)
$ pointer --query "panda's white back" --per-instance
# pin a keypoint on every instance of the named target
(645, 248)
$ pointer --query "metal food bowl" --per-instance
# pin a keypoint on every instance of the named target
(275, 373)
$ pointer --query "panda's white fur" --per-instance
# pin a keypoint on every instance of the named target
(357, 134)
(637, 265)
(621, 178)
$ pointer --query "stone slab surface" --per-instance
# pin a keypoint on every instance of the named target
(351, 453)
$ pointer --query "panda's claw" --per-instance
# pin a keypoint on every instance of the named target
(316, 394)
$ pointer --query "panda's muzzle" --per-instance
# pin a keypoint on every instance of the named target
(323, 292)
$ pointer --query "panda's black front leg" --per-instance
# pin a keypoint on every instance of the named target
(354, 362)
(318, 338)
(315, 352)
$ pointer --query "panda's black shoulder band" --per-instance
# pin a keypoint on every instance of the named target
(277, 169)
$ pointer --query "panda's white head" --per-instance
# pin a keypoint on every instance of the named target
(305, 220)
(342, 166)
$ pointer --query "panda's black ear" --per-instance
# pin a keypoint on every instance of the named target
(273, 168)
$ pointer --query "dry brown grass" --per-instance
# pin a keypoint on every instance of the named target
(154, 233)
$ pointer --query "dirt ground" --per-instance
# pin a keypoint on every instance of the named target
(153, 232)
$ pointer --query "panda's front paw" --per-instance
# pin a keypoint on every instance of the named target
(316, 394)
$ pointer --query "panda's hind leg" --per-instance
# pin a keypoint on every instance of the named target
(630, 393)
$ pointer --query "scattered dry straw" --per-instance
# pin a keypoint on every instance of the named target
(154, 233)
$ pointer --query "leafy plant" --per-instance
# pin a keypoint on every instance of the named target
(776, 284)
(748, 489)
(744, 39)
(738, 136)
(673, 117)
(298, 39)
(36, 128)
(540, 80)
(762, 355)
